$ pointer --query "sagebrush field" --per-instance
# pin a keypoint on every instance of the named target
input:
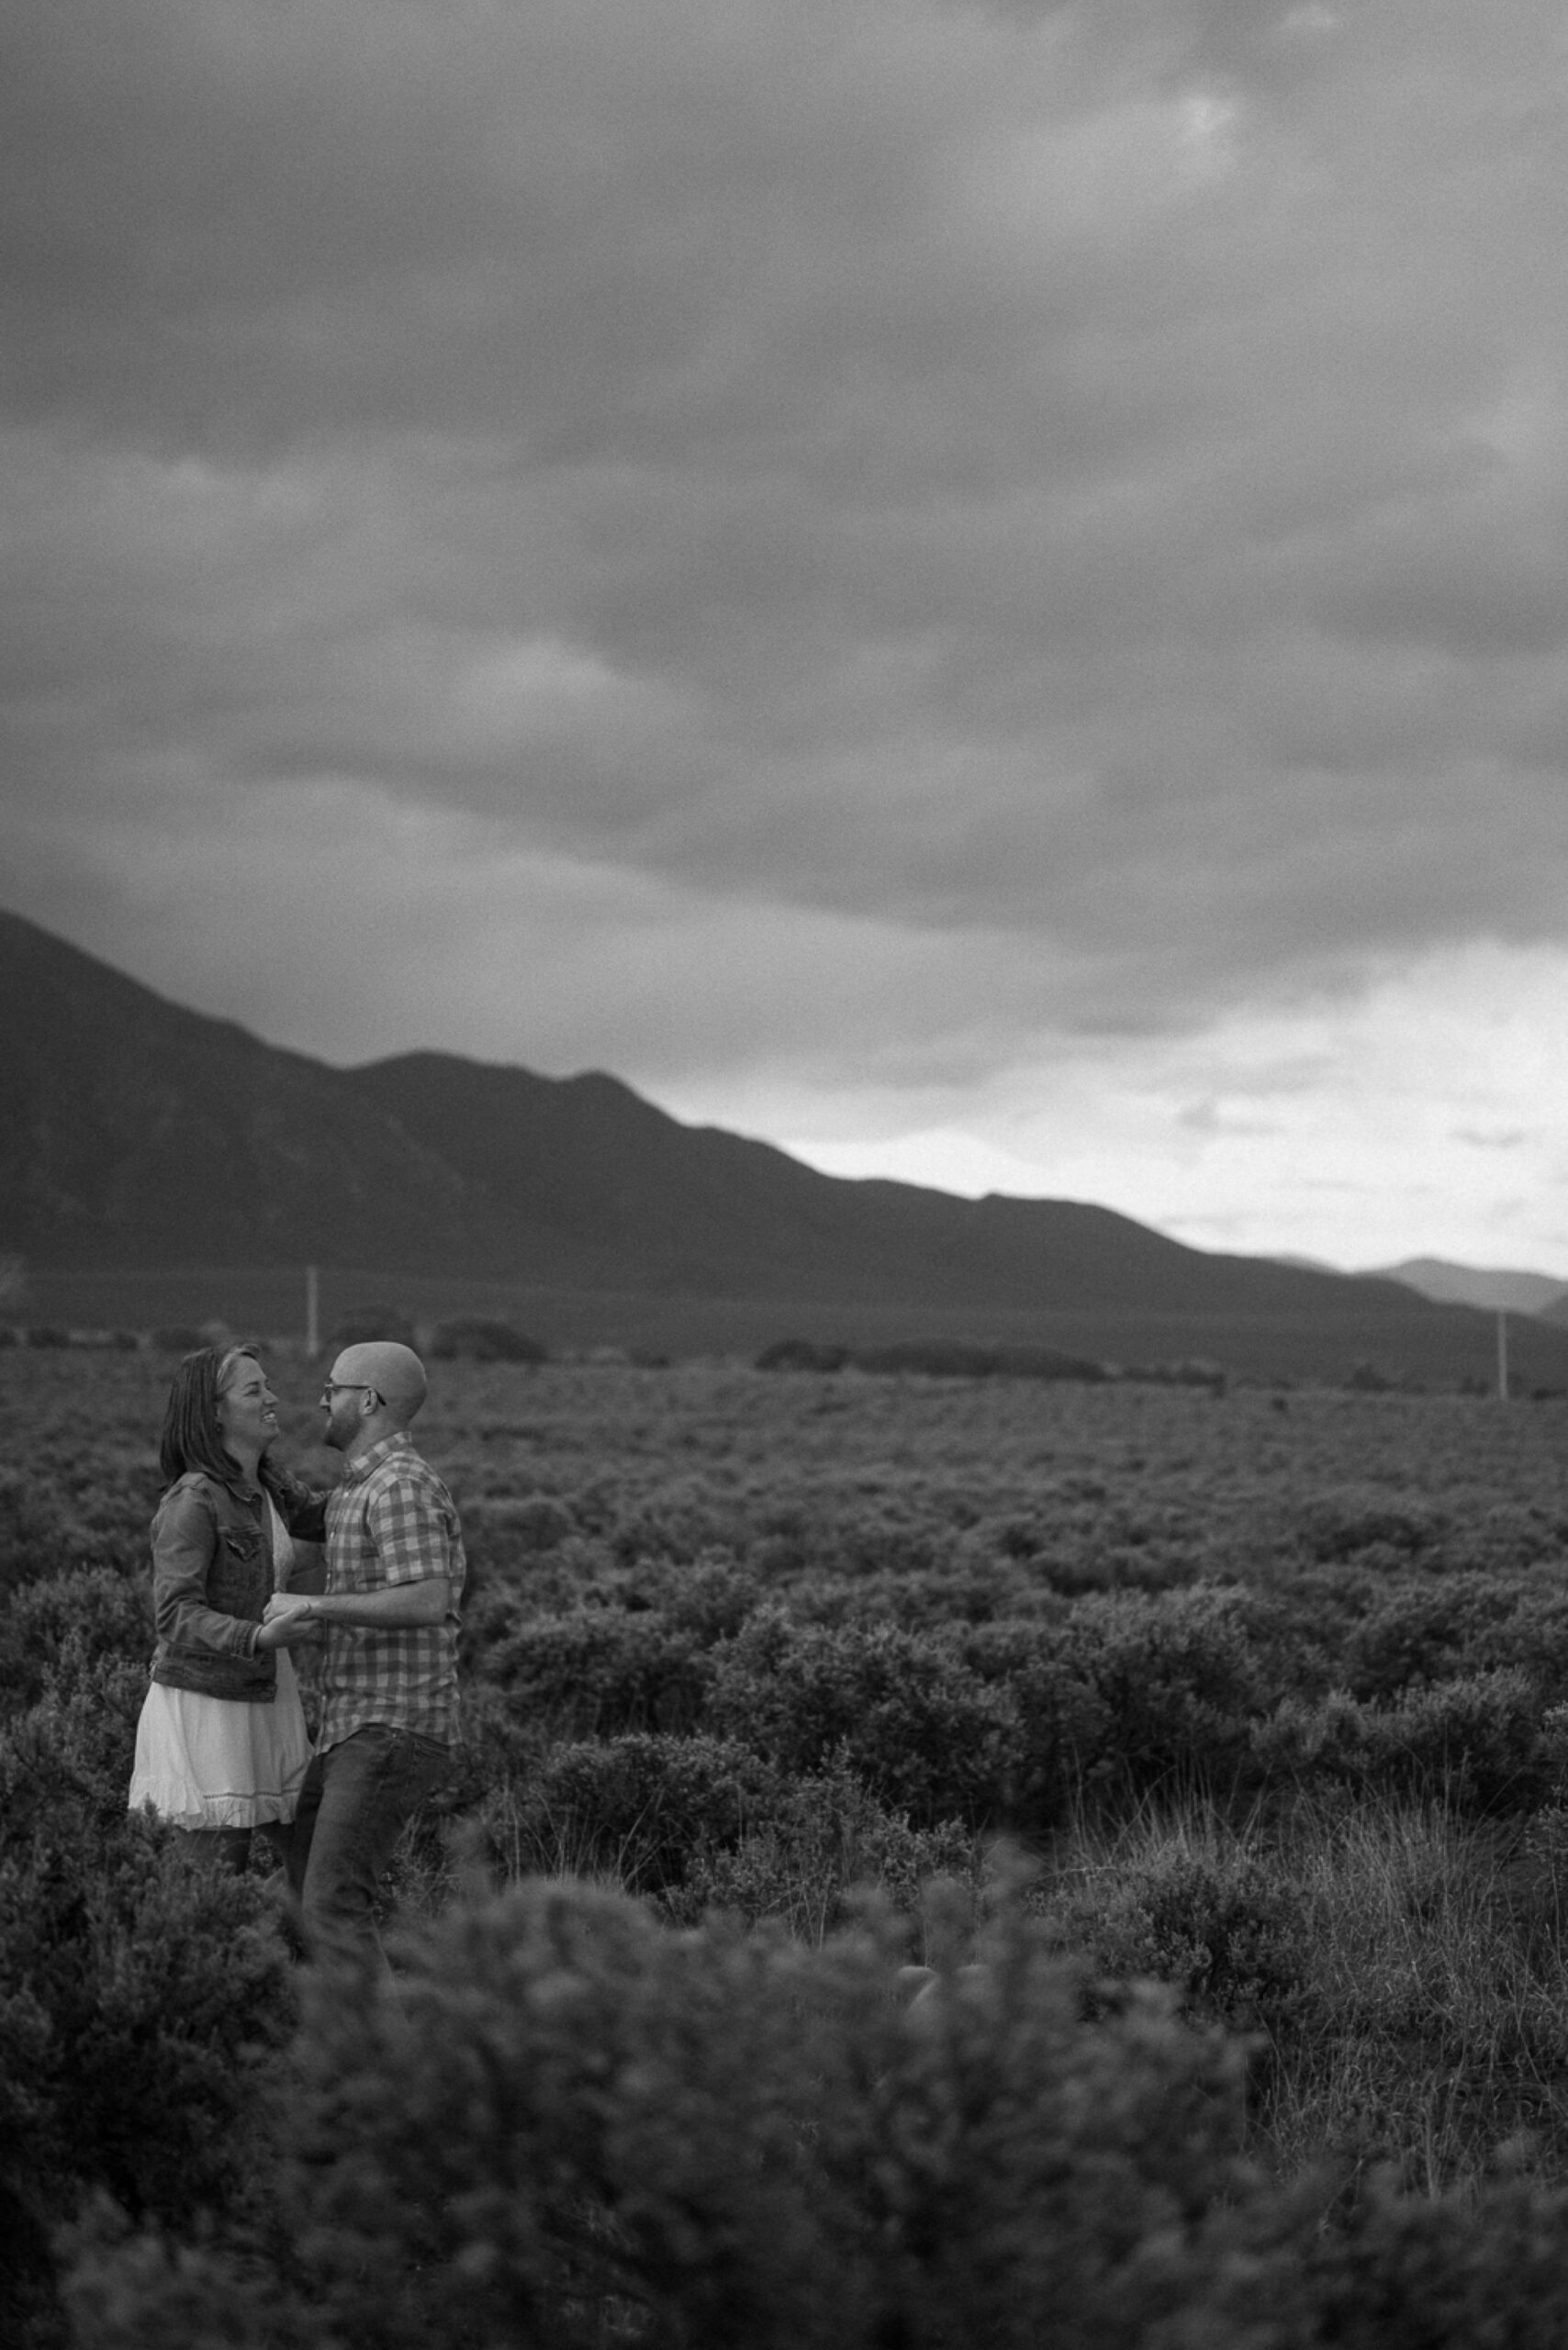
(1211, 1746)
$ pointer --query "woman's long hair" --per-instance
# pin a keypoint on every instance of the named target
(192, 1437)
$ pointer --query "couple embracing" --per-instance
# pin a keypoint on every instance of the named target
(222, 1749)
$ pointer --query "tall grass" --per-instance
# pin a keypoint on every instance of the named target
(1399, 1971)
(1398, 1974)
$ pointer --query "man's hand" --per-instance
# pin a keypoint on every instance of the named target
(287, 1621)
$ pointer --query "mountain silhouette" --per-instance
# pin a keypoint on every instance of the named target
(1503, 1291)
(139, 1134)
(135, 1132)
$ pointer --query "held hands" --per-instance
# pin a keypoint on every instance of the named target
(287, 1621)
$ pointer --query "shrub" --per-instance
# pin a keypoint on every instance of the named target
(1420, 1632)
(1177, 1678)
(572, 2123)
(506, 1537)
(59, 1626)
(1220, 1927)
(675, 1523)
(1475, 1742)
(974, 1589)
(362, 1324)
(34, 1541)
(925, 1733)
(709, 1596)
(802, 1354)
(1329, 1738)
(1066, 1726)
(142, 1998)
(601, 1673)
(638, 1808)
(484, 1342)
(1471, 1741)
(929, 1359)
(1349, 1521)
(1532, 1634)
(810, 1846)
(1445, 2273)
(1045, 1362)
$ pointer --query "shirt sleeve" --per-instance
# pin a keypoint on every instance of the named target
(185, 1544)
(409, 1523)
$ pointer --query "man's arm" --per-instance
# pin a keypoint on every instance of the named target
(301, 1507)
(401, 1605)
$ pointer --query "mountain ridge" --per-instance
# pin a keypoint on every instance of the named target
(1505, 1288)
(142, 1134)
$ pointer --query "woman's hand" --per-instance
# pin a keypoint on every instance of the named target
(288, 1622)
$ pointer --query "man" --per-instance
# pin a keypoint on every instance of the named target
(389, 1684)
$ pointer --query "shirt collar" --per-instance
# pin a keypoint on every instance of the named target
(358, 1469)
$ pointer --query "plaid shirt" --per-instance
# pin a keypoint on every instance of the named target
(391, 1521)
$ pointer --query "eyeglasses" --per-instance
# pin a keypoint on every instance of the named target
(353, 1385)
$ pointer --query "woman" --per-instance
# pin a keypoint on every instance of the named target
(221, 1745)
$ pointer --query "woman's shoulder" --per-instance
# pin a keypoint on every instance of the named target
(197, 1490)
(186, 1513)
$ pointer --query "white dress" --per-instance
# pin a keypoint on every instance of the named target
(206, 1762)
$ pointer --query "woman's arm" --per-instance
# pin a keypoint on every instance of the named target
(285, 1632)
(184, 1545)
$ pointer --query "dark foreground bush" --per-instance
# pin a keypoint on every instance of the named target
(571, 2127)
(143, 2001)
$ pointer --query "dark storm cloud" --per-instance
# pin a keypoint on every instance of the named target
(1090, 479)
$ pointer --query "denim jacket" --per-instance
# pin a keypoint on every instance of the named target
(213, 1574)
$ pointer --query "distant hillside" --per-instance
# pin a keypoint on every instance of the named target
(139, 1136)
(136, 1132)
(586, 1161)
(1479, 1285)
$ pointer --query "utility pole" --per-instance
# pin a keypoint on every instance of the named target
(1502, 1354)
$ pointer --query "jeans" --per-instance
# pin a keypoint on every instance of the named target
(356, 1801)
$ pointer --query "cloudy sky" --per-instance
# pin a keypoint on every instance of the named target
(979, 587)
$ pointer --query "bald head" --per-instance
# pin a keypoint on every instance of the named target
(396, 1373)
